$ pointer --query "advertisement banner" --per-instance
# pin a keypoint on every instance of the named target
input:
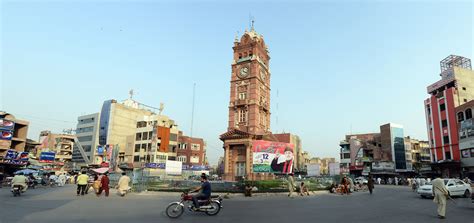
(383, 166)
(14, 157)
(7, 125)
(173, 167)
(314, 170)
(47, 157)
(6, 135)
(155, 165)
(100, 150)
(272, 157)
(334, 169)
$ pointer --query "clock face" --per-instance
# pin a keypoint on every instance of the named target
(244, 72)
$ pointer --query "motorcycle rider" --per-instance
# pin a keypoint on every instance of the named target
(204, 192)
(21, 180)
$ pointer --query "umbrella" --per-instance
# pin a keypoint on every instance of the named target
(26, 171)
(101, 170)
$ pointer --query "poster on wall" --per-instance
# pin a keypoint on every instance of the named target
(272, 157)
(6, 135)
(6, 125)
(173, 167)
(314, 170)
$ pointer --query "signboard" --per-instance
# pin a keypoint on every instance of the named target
(47, 157)
(155, 165)
(272, 157)
(6, 135)
(173, 167)
(7, 125)
(100, 150)
(334, 169)
(14, 157)
(383, 166)
(466, 132)
(314, 170)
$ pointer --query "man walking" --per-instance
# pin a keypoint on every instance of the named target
(440, 193)
(123, 184)
(370, 183)
(104, 181)
(291, 184)
(82, 183)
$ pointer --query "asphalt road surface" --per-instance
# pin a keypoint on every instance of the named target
(387, 204)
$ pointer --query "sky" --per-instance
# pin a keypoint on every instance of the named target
(338, 67)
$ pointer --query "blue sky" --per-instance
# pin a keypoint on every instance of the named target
(334, 64)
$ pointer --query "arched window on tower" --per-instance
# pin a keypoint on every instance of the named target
(468, 113)
(460, 116)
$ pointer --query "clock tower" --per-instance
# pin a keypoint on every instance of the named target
(249, 106)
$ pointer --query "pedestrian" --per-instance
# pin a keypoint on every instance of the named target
(440, 193)
(62, 180)
(123, 186)
(1, 179)
(303, 189)
(291, 185)
(82, 183)
(379, 180)
(248, 190)
(104, 185)
(76, 175)
(90, 182)
(370, 183)
(467, 180)
(351, 185)
(96, 184)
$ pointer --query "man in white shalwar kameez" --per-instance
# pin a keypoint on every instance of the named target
(440, 193)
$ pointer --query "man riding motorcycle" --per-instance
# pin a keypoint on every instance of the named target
(204, 192)
(20, 180)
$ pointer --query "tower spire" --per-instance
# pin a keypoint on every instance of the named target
(252, 28)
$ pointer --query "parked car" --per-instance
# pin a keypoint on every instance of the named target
(360, 180)
(455, 187)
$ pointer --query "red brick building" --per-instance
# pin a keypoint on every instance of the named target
(191, 151)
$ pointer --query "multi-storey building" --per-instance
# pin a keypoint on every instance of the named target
(420, 156)
(455, 88)
(466, 138)
(87, 133)
(393, 140)
(13, 141)
(155, 141)
(191, 151)
(61, 144)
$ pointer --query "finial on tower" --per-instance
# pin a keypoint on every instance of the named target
(131, 93)
(236, 37)
(252, 28)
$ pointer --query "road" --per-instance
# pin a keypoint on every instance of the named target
(387, 204)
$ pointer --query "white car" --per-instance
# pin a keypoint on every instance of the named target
(455, 187)
(360, 180)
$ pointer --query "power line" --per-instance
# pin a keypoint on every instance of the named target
(43, 118)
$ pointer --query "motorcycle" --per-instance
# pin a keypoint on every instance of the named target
(16, 190)
(211, 206)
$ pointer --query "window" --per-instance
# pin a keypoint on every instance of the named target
(182, 146)
(149, 147)
(460, 117)
(84, 138)
(144, 136)
(87, 129)
(173, 137)
(447, 155)
(442, 107)
(464, 88)
(138, 137)
(242, 95)
(136, 159)
(428, 110)
(195, 146)
(347, 156)
(182, 159)
(150, 135)
(446, 139)
(242, 115)
(85, 121)
(444, 123)
(465, 100)
(144, 146)
(137, 148)
(141, 124)
(87, 148)
(468, 113)
(194, 159)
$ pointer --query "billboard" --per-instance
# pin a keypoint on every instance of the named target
(7, 125)
(383, 166)
(6, 135)
(272, 157)
(466, 132)
(314, 170)
(47, 157)
(14, 157)
(173, 167)
(334, 169)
